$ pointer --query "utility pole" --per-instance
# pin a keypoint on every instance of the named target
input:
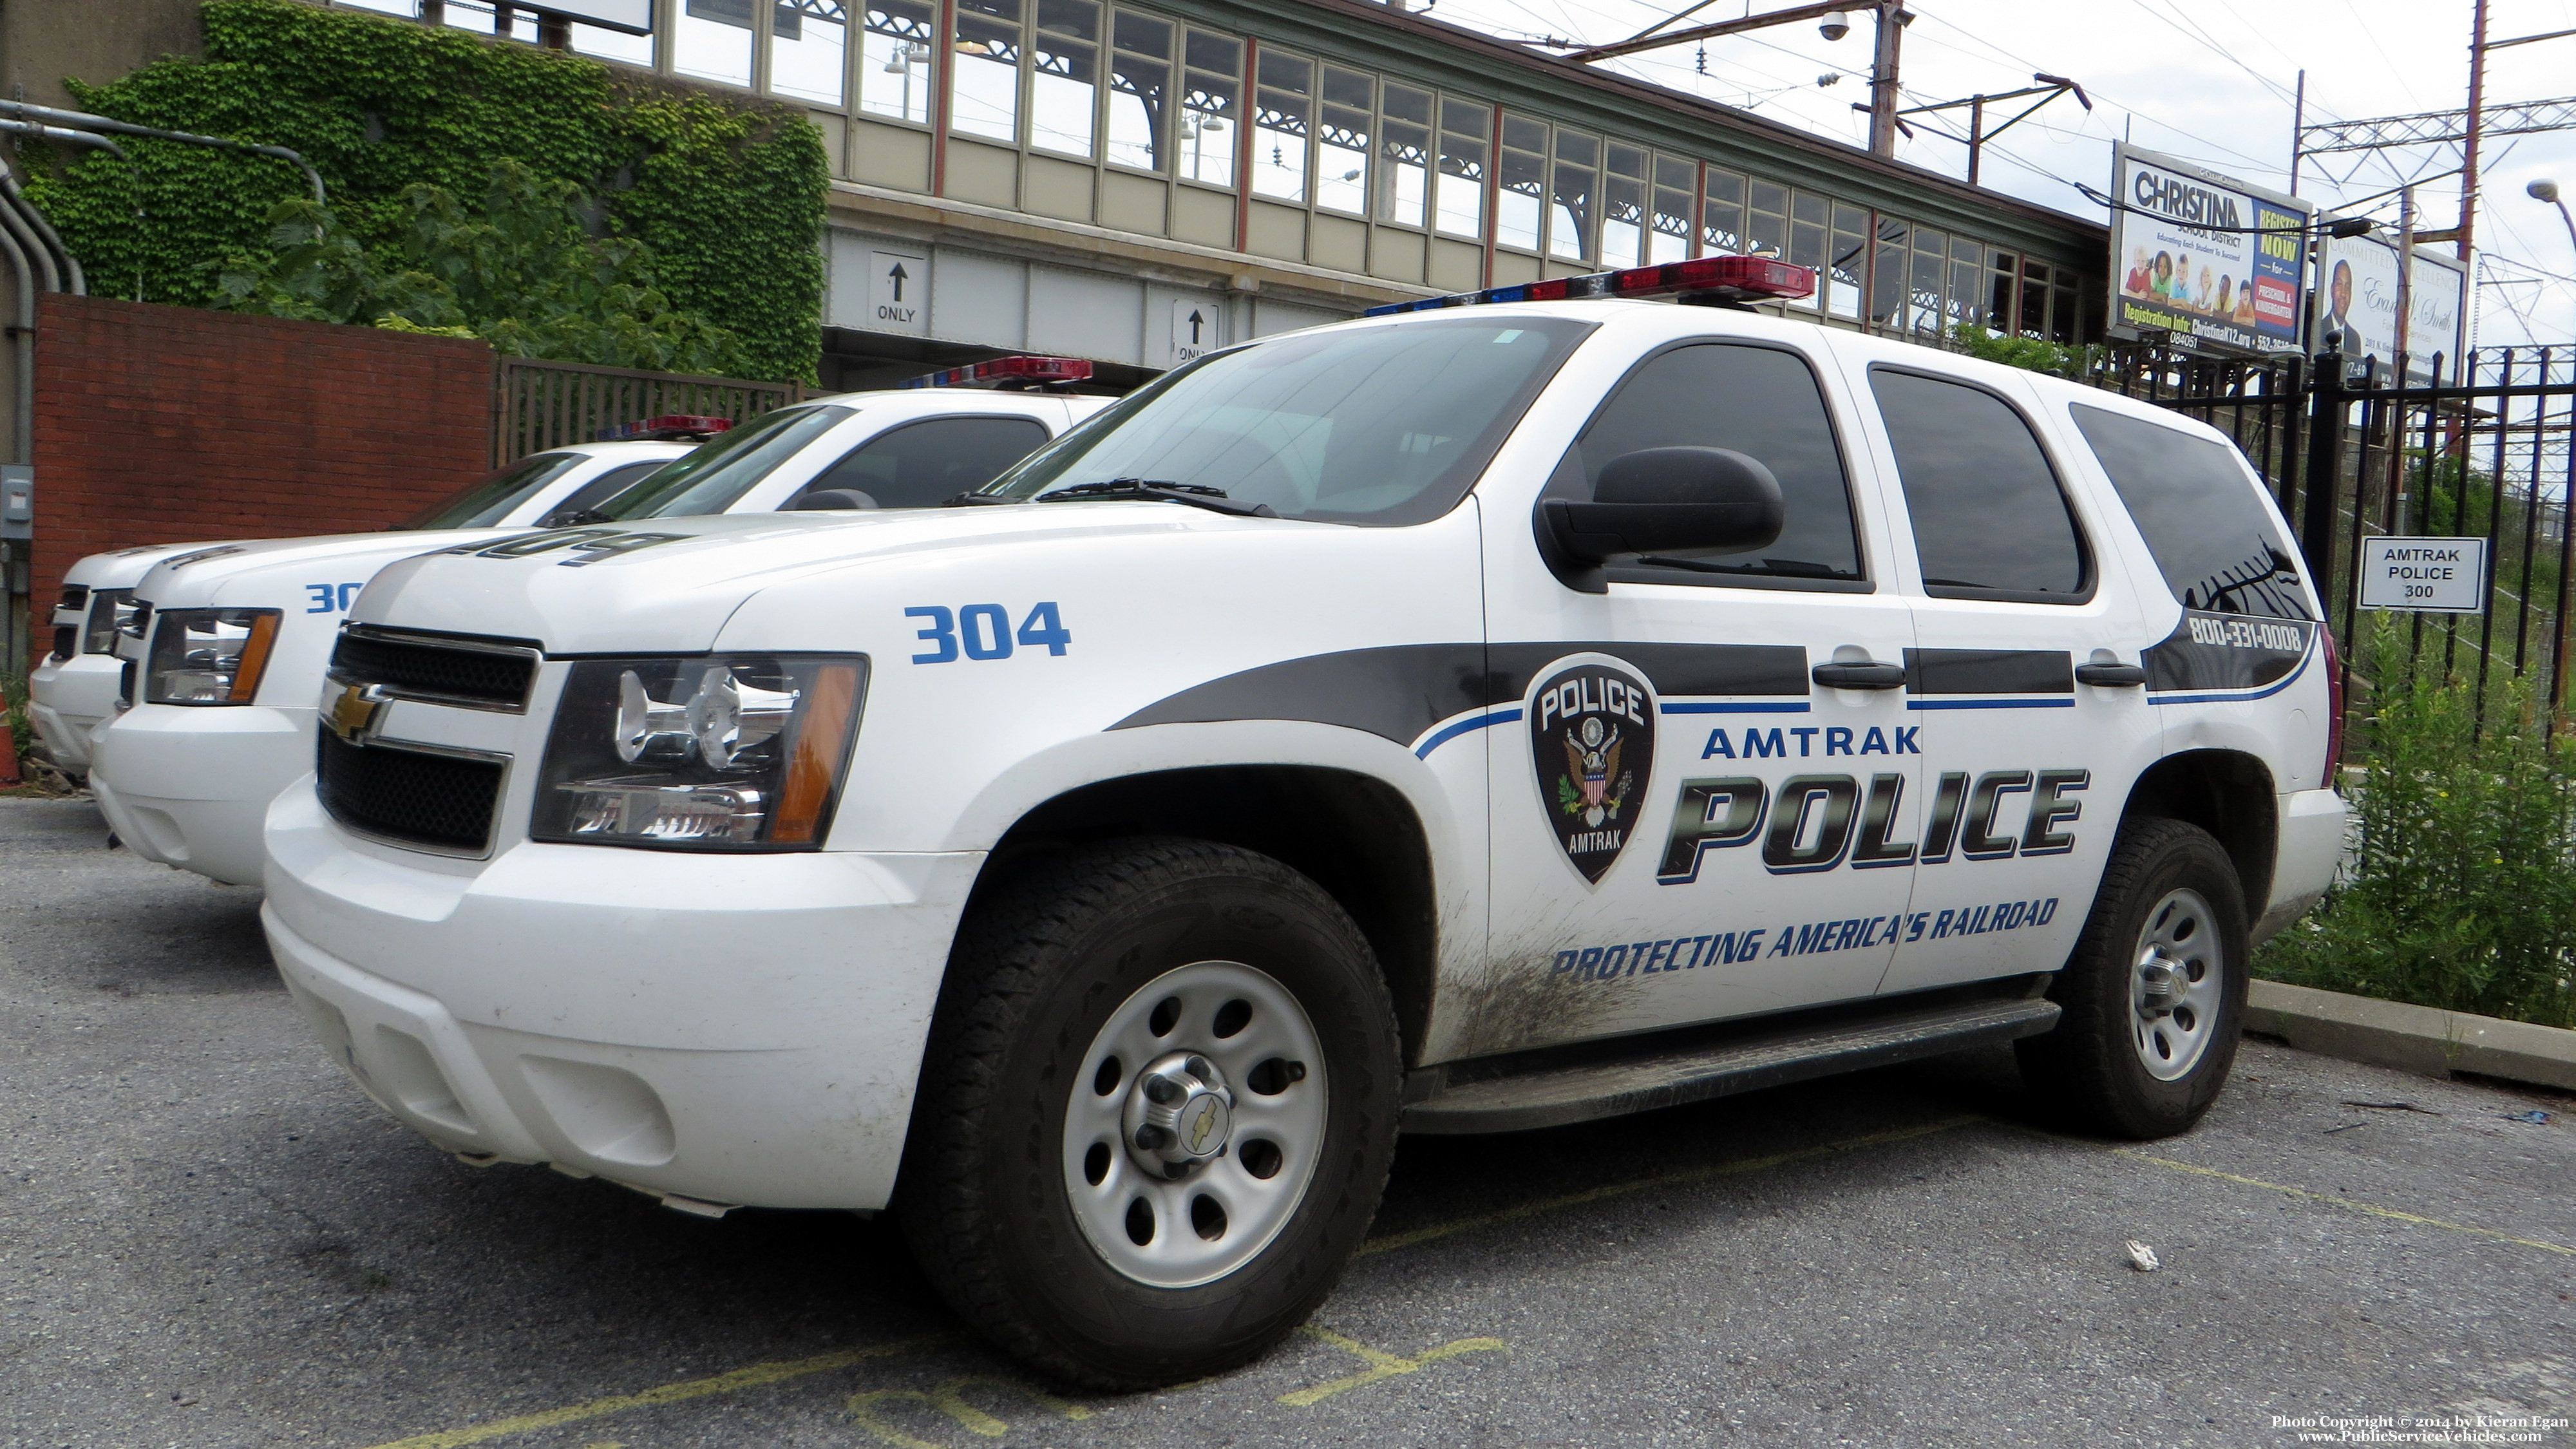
(2405, 277)
(2469, 147)
(2298, 121)
(1892, 19)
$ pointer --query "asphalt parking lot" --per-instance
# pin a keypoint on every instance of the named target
(209, 1237)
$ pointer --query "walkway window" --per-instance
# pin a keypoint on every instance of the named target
(1623, 206)
(1140, 87)
(809, 44)
(1283, 123)
(1849, 261)
(1466, 130)
(1210, 106)
(1721, 216)
(1342, 142)
(1574, 202)
(1520, 209)
(895, 53)
(1405, 156)
(1064, 85)
(986, 70)
(1676, 182)
(713, 41)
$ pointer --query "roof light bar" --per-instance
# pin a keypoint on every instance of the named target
(668, 428)
(1701, 280)
(1024, 371)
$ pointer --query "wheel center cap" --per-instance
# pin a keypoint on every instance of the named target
(1180, 1114)
(2160, 988)
(1204, 1125)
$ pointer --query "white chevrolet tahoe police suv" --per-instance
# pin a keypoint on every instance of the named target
(229, 644)
(74, 688)
(1474, 720)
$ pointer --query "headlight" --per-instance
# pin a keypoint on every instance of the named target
(208, 656)
(729, 752)
(109, 611)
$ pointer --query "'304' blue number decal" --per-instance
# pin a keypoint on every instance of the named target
(983, 631)
(331, 598)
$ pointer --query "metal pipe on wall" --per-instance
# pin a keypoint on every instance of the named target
(23, 411)
(74, 281)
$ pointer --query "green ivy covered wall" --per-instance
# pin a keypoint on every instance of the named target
(727, 194)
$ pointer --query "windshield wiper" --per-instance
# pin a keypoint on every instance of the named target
(1197, 495)
(977, 498)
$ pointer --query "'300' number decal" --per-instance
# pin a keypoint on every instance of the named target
(983, 631)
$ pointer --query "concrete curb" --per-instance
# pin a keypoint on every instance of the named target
(2412, 1038)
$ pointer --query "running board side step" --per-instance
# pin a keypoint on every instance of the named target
(1554, 1096)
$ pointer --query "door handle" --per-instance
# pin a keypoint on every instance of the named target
(2111, 676)
(1866, 674)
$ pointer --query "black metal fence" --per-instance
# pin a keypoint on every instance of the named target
(538, 404)
(2483, 452)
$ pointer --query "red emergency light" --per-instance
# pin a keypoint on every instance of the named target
(1021, 371)
(1702, 279)
(668, 428)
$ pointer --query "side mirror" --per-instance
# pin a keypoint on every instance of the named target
(1660, 500)
(829, 498)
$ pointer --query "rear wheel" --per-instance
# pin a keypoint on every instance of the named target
(1157, 1112)
(2154, 994)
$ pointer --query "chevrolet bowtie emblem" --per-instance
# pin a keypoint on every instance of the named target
(352, 712)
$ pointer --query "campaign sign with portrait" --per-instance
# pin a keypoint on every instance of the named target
(2357, 300)
(2207, 258)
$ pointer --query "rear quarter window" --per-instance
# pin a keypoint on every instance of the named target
(2196, 504)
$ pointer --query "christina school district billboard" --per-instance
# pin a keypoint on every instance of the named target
(2205, 257)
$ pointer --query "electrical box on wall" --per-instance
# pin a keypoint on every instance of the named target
(17, 501)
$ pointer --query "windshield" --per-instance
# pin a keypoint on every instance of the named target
(714, 477)
(489, 499)
(1378, 425)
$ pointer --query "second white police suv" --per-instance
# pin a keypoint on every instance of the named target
(228, 644)
(1098, 878)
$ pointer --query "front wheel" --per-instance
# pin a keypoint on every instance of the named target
(2154, 994)
(1157, 1112)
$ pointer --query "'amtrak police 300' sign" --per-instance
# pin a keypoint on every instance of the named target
(2436, 575)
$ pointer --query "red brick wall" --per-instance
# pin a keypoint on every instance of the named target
(167, 424)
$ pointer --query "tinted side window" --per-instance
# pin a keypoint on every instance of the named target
(2210, 534)
(609, 484)
(1988, 515)
(1759, 401)
(924, 464)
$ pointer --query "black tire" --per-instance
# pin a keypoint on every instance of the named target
(1041, 962)
(2090, 1072)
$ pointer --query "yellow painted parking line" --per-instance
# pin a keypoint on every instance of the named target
(2355, 1204)
(1381, 1365)
(949, 1398)
(2373, 1209)
(1389, 1242)
(755, 1376)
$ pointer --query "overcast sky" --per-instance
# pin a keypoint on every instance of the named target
(2209, 81)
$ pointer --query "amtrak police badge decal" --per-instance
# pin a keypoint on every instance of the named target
(1592, 739)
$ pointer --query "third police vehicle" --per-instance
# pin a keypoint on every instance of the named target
(1475, 719)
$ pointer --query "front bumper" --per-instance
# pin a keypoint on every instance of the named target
(190, 786)
(67, 698)
(741, 1030)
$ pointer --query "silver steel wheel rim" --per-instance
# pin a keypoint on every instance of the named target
(1269, 1091)
(2176, 982)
